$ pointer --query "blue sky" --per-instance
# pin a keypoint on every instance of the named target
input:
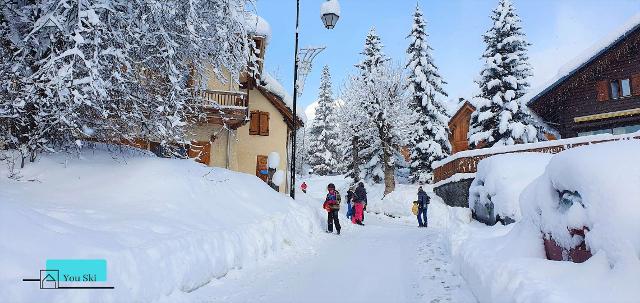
(559, 30)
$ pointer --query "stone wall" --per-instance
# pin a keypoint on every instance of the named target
(455, 193)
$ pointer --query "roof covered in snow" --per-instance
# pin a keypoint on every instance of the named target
(270, 84)
(257, 26)
(585, 58)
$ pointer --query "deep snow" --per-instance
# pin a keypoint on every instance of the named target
(165, 226)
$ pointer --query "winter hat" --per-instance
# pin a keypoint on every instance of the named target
(331, 186)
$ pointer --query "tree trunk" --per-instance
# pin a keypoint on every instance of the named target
(355, 158)
(389, 172)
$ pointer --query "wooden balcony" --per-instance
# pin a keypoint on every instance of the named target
(230, 108)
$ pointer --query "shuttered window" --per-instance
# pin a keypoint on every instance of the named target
(254, 123)
(264, 124)
(602, 89)
(635, 85)
(259, 123)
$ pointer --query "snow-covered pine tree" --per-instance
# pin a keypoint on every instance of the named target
(501, 118)
(112, 69)
(378, 92)
(323, 134)
(371, 162)
(430, 140)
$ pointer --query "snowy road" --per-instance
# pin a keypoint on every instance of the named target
(384, 261)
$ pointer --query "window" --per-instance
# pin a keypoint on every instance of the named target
(615, 89)
(626, 87)
(620, 88)
(259, 123)
(626, 129)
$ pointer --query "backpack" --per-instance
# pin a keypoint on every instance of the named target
(335, 197)
(414, 208)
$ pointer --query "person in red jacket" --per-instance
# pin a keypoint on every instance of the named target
(303, 187)
(332, 206)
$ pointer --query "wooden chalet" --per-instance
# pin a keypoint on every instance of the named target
(600, 93)
(459, 127)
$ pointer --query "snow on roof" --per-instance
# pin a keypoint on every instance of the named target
(330, 7)
(585, 58)
(257, 26)
(273, 86)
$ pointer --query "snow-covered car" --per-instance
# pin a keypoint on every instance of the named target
(494, 193)
(588, 201)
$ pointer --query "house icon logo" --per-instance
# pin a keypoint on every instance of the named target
(49, 279)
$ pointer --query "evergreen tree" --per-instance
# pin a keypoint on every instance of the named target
(430, 140)
(501, 117)
(323, 134)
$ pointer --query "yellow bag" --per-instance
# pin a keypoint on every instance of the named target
(414, 209)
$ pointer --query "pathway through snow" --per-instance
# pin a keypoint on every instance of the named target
(384, 261)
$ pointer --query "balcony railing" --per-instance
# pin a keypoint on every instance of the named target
(226, 98)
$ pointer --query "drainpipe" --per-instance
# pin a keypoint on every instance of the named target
(228, 148)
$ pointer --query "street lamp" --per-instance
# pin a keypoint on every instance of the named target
(329, 13)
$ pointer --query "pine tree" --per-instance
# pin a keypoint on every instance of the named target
(501, 118)
(430, 140)
(323, 134)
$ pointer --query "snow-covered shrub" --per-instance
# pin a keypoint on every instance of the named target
(595, 187)
(500, 179)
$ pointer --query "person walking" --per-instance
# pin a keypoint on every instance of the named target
(303, 187)
(332, 206)
(360, 200)
(350, 203)
(423, 202)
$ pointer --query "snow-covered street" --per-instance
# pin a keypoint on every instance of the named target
(384, 261)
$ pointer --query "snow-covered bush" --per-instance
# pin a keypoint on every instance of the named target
(494, 193)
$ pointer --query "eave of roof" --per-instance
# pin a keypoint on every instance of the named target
(281, 106)
(625, 32)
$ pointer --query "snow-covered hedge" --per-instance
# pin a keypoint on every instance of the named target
(165, 226)
(508, 263)
(500, 179)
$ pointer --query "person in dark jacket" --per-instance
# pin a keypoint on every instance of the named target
(423, 202)
(350, 195)
(332, 205)
(360, 202)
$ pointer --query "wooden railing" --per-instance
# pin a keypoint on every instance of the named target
(467, 161)
(225, 98)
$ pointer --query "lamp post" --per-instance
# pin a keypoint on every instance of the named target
(329, 13)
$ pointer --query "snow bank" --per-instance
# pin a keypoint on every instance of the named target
(396, 204)
(597, 187)
(508, 263)
(500, 180)
(165, 226)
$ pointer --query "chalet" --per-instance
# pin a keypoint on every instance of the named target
(599, 92)
(249, 119)
(459, 126)
(245, 120)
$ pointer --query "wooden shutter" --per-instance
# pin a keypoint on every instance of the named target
(635, 85)
(262, 170)
(264, 124)
(201, 151)
(602, 90)
(254, 123)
